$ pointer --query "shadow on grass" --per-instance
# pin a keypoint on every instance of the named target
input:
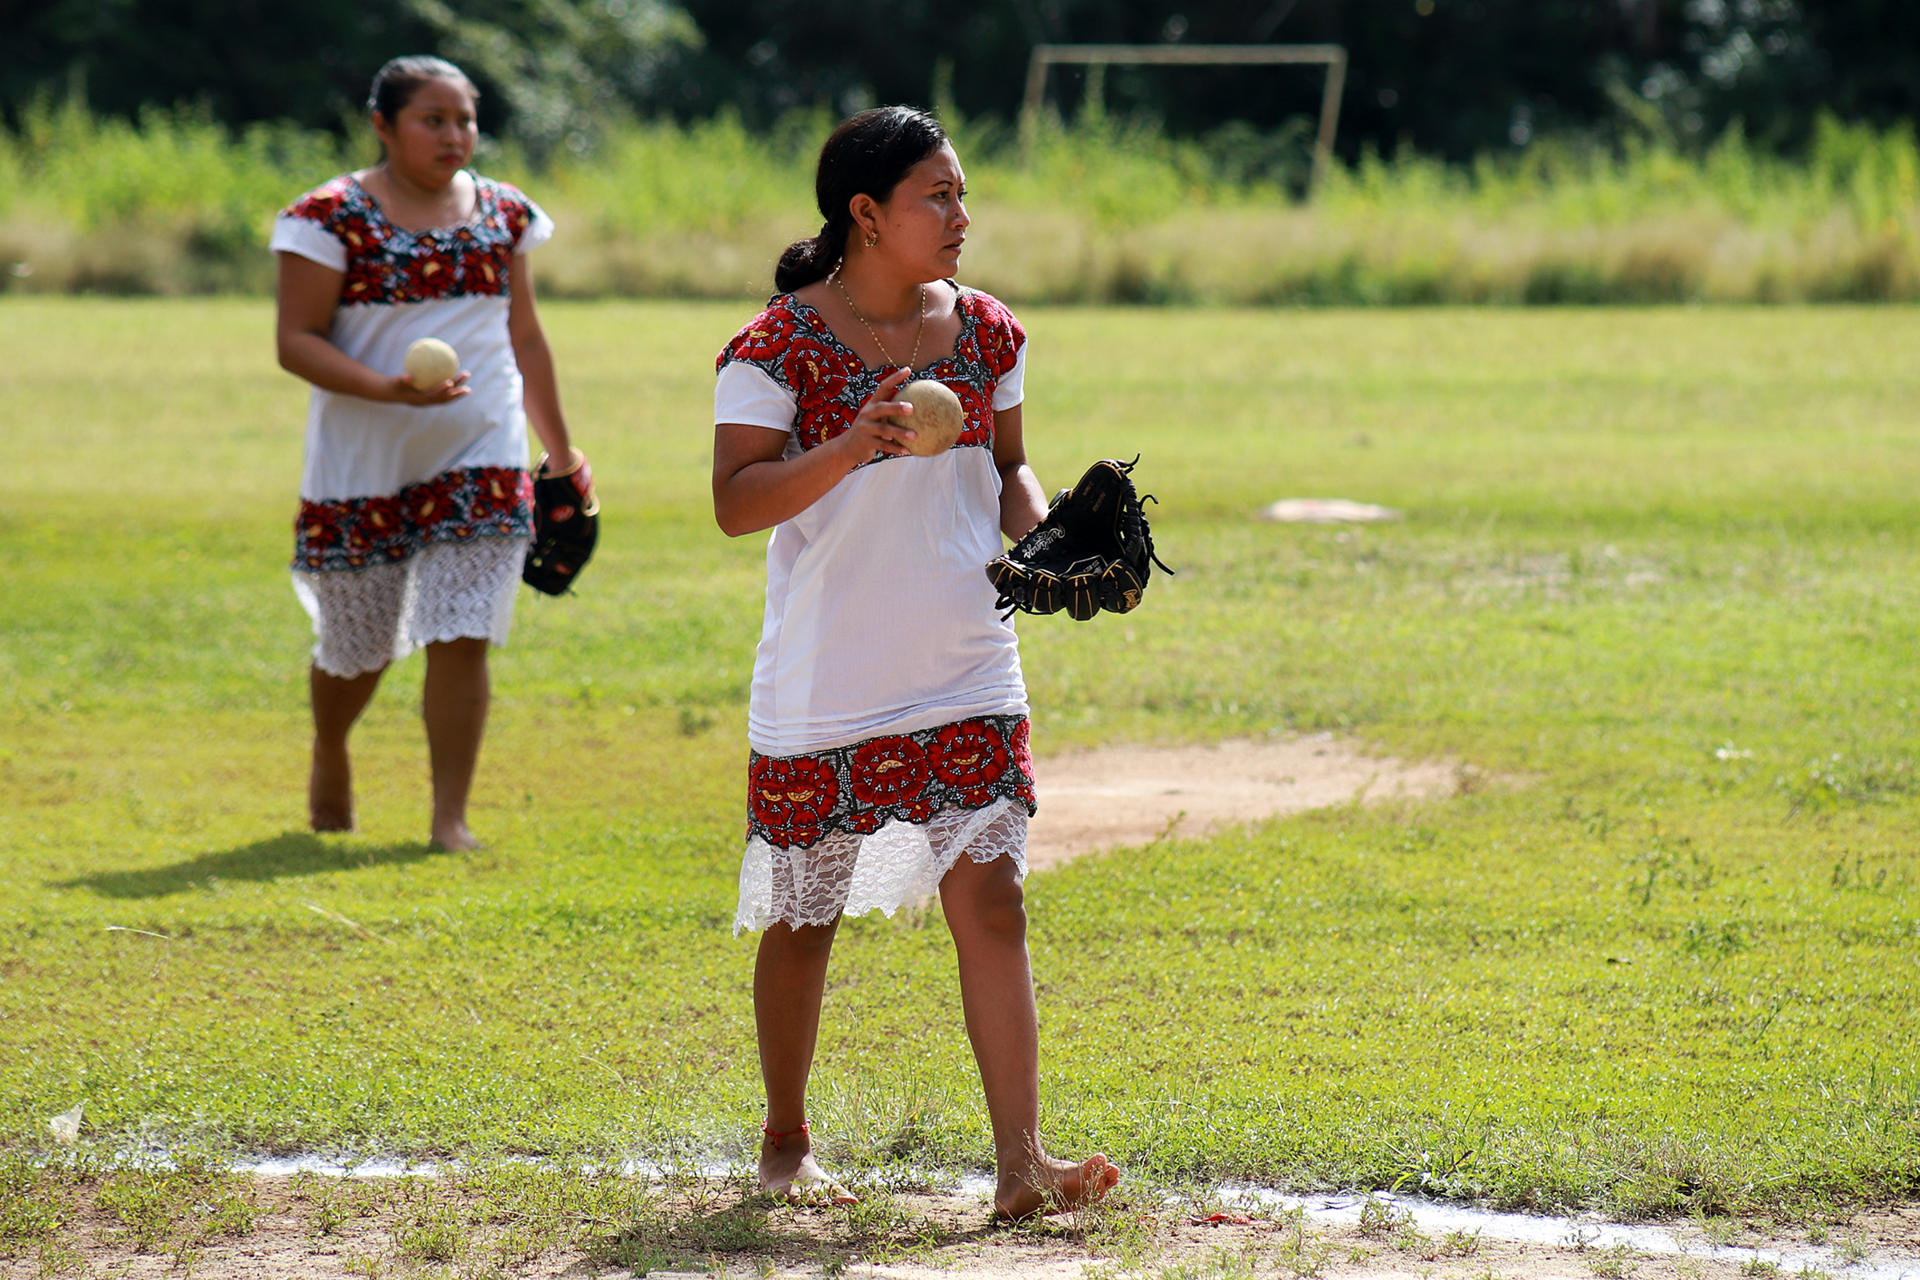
(295, 853)
(760, 1227)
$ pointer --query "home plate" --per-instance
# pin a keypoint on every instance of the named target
(1325, 511)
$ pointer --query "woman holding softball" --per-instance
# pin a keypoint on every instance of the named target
(888, 714)
(415, 497)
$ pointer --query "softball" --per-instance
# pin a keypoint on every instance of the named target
(430, 362)
(937, 419)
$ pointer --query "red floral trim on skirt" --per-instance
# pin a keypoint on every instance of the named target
(794, 801)
(454, 506)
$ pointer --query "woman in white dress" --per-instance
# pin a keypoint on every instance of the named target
(415, 503)
(888, 715)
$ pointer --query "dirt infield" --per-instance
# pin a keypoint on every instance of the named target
(320, 1229)
(1127, 795)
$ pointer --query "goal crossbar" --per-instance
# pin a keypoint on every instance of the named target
(1332, 56)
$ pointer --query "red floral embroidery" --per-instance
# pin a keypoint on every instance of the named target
(764, 337)
(386, 264)
(374, 530)
(966, 755)
(996, 339)
(792, 344)
(792, 797)
(794, 801)
(495, 495)
(430, 504)
(319, 527)
(806, 364)
(887, 770)
(1023, 748)
(356, 532)
(976, 405)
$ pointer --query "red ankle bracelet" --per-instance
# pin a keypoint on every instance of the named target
(786, 1133)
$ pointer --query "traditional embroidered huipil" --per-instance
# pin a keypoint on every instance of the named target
(887, 718)
(413, 520)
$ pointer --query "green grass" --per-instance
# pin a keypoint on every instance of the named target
(1658, 585)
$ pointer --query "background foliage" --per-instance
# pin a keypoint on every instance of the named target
(1453, 78)
(1095, 211)
(1491, 150)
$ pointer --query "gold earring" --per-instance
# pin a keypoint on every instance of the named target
(873, 238)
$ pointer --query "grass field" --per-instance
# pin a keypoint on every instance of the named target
(1658, 585)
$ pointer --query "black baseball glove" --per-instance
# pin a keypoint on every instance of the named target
(566, 524)
(1093, 551)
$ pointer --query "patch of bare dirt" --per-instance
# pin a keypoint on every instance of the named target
(405, 1231)
(1131, 795)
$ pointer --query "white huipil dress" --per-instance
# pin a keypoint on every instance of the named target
(414, 522)
(888, 715)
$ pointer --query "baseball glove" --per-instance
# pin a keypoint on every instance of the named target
(1093, 551)
(566, 524)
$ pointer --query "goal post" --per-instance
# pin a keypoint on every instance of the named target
(1332, 56)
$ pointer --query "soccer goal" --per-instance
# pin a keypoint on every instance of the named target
(1332, 56)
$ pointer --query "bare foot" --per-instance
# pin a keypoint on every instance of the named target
(789, 1172)
(330, 792)
(453, 837)
(331, 819)
(1054, 1186)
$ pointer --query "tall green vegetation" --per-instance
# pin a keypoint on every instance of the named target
(1101, 210)
(174, 203)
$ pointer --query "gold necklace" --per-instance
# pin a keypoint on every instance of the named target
(912, 360)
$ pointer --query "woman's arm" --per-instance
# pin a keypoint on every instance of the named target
(755, 486)
(303, 327)
(535, 357)
(1023, 503)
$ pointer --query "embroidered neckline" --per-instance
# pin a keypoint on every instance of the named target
(484, 201)
(962, 299)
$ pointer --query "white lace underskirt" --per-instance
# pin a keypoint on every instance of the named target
(365, 618)
(850, 874)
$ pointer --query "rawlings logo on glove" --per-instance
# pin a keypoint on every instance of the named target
(1093, 551)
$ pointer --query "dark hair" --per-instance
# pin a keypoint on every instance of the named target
(867, 155)
(395, 84)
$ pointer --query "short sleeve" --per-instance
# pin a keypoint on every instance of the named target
(1012, 387)
(526, 223)
(1000, 343)
(299, 235)
(536, 231)
(746, 394)
(539, 229)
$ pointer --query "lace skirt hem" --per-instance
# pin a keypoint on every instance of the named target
(850, 873)
(365, 619)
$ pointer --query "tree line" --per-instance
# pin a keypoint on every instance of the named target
(1447, 78)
